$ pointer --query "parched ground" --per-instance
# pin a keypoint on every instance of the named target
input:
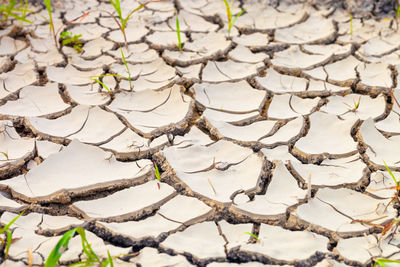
(280, 129)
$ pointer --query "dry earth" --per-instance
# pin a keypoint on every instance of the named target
(253, 131)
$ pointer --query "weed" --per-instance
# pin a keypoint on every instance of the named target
(127, 69)
(72, 40)
(351, 22)
(253, 235)
(156, 171)
(94, 78)
(9, 10)
(355, 106)
(178, 33)
(381, 262)
(102, 84)
(229, 16)
(9, 240)
(51, 23)
(124, 21)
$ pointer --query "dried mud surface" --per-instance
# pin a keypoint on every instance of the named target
(279, 128)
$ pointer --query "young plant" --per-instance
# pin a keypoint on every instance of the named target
(351, 22)
(253, 235)
(178, 33)
(124, 21)
(69, 39)
(229, 16)
(355, 106)
(9, 239)
(62, 246)
(129, 78)
(381, 262)
(51, 23)
(10, 11)
(127, 69)
(156, 171)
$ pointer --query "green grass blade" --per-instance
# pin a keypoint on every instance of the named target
(351, 22)
(19, 18)
(156, 171)
(125, 21)
(87, 248)
(253, 235)
(109, 260)
(178, 33)
(229, 15)
(398, 13)
(238, 15)
(382, 261)
(117, 6)
(391, 173)
(102, 84)
(57, 251)
(127, 68)
(48, 7)
(8, 243)
(5, 228)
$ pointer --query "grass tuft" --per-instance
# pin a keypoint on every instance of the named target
(68, 38)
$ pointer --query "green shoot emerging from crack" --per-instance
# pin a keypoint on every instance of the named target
(127, 69)
(381, 262)
(92, 259)
(9, 240)
(156, 171)
(51, 23)
(129, 78)
(178, 33)
(351, 22)
(253, 235)
(69, 39)
(124, 21)
(10, 11)
(229, 16)
(356, 105)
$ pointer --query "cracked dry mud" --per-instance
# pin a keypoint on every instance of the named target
(254, 131)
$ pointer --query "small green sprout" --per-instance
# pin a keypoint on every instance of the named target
(129, 78)
(356, 105)
(253, 235)
(68, 38)
(397, 16)
(156, 171)
(102, 84)
(229, 16)
(9, 240)
(351, 21)
(381, 262)
(124, 21)
(127, 69)
(178, 33)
